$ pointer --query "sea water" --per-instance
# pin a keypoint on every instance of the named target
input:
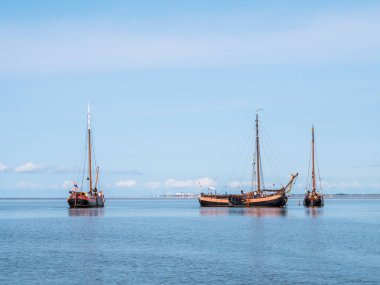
(177, 242)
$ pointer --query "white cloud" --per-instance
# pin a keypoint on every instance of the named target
(153, 185)
(172, 183)
(3, 167)
(29, 167)
(190, 183)
(206, 182)
(126, 183)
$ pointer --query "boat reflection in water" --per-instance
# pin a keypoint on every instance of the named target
(85, 212)
(253, 212)
(314, 211)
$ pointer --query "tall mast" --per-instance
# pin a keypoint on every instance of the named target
(313, 159)
(97, 177)
(258, 162)
(89, 149)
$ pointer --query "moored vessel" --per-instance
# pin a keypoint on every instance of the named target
(259, 196)
(313, 198)
(94, 197)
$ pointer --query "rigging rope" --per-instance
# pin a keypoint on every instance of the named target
(276, 153)
(270, 162)
(308, 182)
(78, 168)
(319, 174)
(246, 144)
(84, 161)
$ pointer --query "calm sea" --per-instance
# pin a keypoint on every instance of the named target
(177, 242)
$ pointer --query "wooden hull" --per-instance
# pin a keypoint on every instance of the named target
(315, 201)
(214, 201)
(88, 202)
(276, 200)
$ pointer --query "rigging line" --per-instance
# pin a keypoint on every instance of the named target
(271, 162)
(261, 173)
(84, 161)
(92, 142)
(276, 156)
(241, 155)
(95, 161)
(254, 173)
(78, 165)
(223, 165)
(247, 162)
(308, 171)
(94, 156)
(281, 159)
(319, 173)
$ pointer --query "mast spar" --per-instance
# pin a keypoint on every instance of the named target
(89, 149)
(313, 159)
(97, 177)
(258, 162)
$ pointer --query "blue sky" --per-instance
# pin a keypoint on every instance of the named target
(174, 87)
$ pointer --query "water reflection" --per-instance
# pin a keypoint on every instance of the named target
(314, 211)
(82, 212)
(254, 212)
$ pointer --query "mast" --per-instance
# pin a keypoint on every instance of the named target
(89, 149)
(313, 159)
(258, 162)
(97, 178)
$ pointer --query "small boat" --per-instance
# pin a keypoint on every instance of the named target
(259, 197)
(313, 198)
(92, 198)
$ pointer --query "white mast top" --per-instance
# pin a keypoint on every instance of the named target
(88, 117)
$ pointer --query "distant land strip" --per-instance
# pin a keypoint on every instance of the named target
(195, 196)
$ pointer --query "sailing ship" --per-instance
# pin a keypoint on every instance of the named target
(94, 197)
(313, 198)
(257, 197)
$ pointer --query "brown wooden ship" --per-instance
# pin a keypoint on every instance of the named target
(313, 198)
(259, 197)
(92, 198)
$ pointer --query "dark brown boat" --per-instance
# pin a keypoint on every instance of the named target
(93, 198)
(259, 198)
(313, 198)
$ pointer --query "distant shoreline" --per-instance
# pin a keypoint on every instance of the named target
(293, 196)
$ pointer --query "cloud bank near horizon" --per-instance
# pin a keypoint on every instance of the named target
(128, 186)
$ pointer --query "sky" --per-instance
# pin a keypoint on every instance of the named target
(174, 87)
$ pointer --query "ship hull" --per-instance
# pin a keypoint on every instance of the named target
(313, 202)
(276, 200)
(214, 201)
(90, 202)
